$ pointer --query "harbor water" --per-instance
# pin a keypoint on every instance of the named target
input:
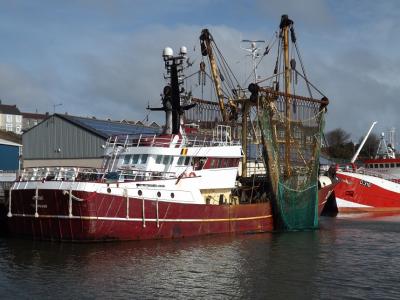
(347, 258)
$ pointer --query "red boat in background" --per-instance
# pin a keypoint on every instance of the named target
(373, 187)
(359, 190)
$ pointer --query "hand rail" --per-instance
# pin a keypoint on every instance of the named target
(84, 174)
(159, 141)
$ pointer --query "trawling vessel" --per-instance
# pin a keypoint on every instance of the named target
(374, 187)
(180, 183)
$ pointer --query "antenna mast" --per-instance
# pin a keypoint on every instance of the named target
(254, 53)
(171, 98)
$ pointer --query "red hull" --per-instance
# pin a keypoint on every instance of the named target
(103, 217)
(359, 194)
(323, 196)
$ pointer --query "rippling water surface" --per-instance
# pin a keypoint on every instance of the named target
(348, 258)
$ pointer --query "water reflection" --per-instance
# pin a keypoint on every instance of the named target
(345, 258)
(196, 267)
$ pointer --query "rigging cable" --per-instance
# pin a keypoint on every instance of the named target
(293, 36)
(230, 70)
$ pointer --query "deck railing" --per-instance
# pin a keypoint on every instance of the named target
(92, 175)
(159, 141)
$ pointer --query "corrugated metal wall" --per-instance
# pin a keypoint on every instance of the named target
(56, 138)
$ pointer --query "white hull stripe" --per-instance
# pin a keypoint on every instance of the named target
(344, 203)
(139, 219)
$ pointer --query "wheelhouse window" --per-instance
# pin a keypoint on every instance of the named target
(376, 166)
(381, 166)
(226, 163)
(159, 159)
(221, 163)
(212, 163)
(143, 159)
(398, 165)
(135, 159)
(166, 159)
(181, 160)
(187, 160)
(127, 159)
(392, 165)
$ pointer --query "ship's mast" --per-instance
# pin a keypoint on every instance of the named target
(391, 138)
(284, 26)
(206, 50)
(229, 111)
(171, 97)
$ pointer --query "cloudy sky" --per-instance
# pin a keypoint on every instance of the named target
(103, 57)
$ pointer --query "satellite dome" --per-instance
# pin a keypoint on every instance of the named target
(168, 52)
(183, 51)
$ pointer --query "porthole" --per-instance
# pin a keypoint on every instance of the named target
(108, 190)
(158, 194)
(172, 195)
(140, 193)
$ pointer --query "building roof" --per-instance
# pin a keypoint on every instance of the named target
(105, 128)
(34, 116)
(154, 124)
(9, 109)
(10, 137)
(8, 143)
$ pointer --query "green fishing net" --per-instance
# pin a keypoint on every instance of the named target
(293, 177)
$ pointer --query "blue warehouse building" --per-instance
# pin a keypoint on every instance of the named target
(9, 155)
